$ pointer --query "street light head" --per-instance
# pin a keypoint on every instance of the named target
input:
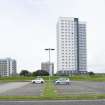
(46, 49)
(49, 49)
(52, 49)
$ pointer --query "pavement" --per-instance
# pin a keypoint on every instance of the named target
(29, 89)
(11, 85)
(55, 102)
(21, 89)
(81, 88)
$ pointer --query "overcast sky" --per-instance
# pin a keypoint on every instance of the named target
(27, 27)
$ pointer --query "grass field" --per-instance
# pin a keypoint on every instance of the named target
(15, 79)
(88, 78)
(49, 89)
(97, 77)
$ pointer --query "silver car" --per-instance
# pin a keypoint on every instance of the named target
(63, 81)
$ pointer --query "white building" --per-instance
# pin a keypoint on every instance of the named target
(49, 68)
(7, 67)
(71, 45)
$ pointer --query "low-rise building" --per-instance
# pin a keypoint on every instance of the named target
(48, 67)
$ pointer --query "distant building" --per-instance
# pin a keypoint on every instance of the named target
(45, 66)
(71, 45)
(7, 67)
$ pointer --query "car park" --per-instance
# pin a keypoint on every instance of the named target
(38, 80)
(63, 81)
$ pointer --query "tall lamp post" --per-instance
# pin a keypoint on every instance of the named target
(50, 70)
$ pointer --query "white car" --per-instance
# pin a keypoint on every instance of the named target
(63, 81)
(38, 80)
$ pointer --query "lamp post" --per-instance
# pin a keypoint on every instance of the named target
(50, 70)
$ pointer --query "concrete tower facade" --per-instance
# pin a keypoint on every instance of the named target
(71, 45)
(8, 67)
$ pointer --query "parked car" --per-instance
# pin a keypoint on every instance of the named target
(63, 81)
(38, 80)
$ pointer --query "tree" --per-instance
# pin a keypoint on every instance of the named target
(40, 73)
(34, 73)
(25, 73)
(91, 73)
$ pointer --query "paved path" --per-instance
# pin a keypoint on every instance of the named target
(81, 87)
(56, 102)
(27, 89)
(10, 86)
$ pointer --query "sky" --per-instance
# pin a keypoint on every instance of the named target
(27, 27)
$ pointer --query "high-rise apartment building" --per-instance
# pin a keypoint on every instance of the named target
(48, 67)
(7, 67)
(71, 45)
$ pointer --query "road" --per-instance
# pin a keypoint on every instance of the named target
(55, 102)
(29, 89)
(21, 89)
(81, 87)
(12, 85)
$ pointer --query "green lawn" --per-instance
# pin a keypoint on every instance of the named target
(15, 79)
(88, 78)
(97, 77)
(49, 89)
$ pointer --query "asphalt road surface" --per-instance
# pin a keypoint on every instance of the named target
(81, 87)
(22, 89)
(10, 86)
(55, 102)
(29, 89)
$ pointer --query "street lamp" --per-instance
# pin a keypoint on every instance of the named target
(50, 70)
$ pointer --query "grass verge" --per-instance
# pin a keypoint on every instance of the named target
(97, 77)
(79, 97)
(49, 89)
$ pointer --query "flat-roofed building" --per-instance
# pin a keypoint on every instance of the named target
(7, 67)
(71, 45)
(48, 67)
